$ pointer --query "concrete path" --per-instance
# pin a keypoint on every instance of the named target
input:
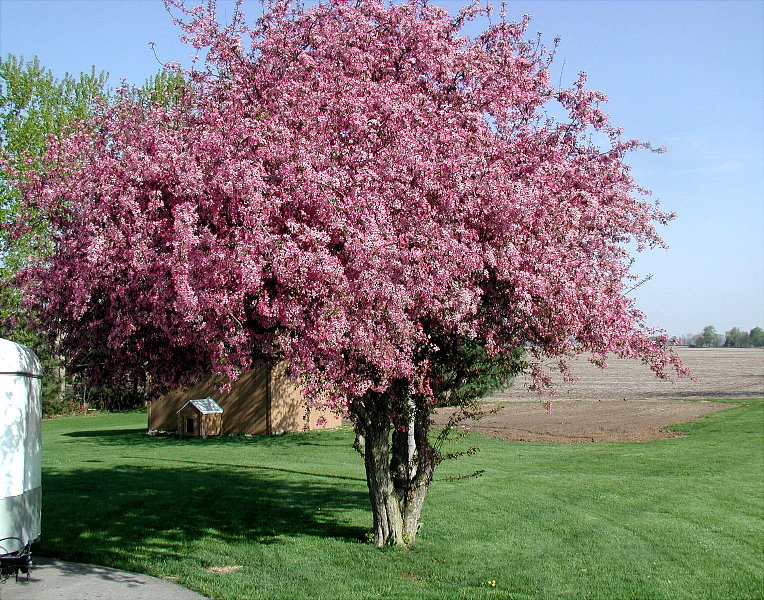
(58, 580)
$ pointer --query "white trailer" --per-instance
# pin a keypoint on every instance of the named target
(20, 450)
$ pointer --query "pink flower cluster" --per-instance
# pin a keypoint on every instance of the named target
(360, 178)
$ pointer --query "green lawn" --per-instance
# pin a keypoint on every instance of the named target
(672, 519)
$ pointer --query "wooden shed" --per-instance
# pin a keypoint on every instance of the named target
(263, 401)
(199, 418)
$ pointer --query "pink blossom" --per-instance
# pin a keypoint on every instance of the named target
(358, 180)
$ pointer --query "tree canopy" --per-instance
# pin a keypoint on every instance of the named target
(363, 192)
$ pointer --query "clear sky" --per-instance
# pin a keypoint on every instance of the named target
(687, 74)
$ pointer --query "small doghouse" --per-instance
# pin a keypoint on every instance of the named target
(200, 418)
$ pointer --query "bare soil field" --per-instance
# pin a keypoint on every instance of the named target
(624, 402)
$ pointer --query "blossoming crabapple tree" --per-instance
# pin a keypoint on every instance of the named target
(363, 192)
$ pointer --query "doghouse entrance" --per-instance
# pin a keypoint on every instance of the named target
(200, 417)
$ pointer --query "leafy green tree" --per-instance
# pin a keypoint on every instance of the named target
(465, 372)
(736, 338)
(710, 338)
(167, 87)
(757, 337)
(33, 105)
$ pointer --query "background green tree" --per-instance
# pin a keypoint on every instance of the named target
(710, 338)
(34, 105)
(736, 338)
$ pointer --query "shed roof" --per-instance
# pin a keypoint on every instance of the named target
(206, 406)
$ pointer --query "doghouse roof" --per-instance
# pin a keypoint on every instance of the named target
(206, 406)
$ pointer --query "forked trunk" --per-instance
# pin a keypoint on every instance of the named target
(399, 469)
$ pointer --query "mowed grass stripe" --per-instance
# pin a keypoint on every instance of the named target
(675, 519)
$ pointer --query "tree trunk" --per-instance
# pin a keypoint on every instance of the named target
(62, 386)
(398, 475)
(385, 505)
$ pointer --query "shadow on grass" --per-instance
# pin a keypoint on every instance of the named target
(140, 437)
(226, 465)
(107, 515)
(105, 433)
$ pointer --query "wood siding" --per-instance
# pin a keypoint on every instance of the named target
(263, 401)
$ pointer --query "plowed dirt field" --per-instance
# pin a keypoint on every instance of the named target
(624, 402)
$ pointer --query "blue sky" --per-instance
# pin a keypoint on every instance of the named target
(686, 74)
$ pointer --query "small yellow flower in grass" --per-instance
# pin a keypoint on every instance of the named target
(491, 583)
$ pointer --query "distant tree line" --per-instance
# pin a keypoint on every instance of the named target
(734, 338)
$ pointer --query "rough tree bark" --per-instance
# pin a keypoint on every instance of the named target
(400, 463)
